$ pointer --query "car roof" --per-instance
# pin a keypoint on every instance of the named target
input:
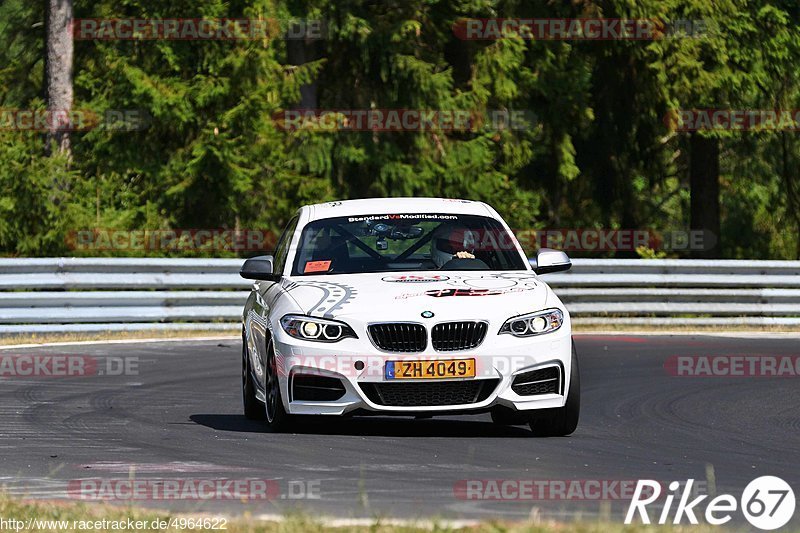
(378, 206)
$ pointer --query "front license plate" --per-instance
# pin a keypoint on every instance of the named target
(450, 368)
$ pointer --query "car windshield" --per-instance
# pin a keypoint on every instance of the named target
(398, 242)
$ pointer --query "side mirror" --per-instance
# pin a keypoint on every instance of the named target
(259, 268)
(549, 260)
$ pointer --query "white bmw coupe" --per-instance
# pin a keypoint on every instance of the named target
(407, 306)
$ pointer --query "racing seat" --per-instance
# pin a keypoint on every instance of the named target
(332, 248)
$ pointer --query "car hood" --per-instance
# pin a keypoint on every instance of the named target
(392, 296)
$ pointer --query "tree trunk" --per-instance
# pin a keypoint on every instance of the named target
(59, 74)
(792, 189)
(704, 183)
(300, 52)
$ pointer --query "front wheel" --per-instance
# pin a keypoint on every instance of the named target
(277, 418)
(253, 409)
(561, 421)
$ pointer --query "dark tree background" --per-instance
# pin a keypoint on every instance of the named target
(599, 153)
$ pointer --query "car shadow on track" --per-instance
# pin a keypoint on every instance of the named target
(369, 426)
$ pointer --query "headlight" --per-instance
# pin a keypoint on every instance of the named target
(310, 328)
(534, 323)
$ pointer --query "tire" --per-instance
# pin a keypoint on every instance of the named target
(561, 421)
(277, 418)
(253, 409)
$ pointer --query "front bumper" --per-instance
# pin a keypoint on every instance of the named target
(500, 358)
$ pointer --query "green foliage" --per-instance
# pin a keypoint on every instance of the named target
(37, 205)
(597, 151)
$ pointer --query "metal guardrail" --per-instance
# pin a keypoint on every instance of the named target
(113, 294)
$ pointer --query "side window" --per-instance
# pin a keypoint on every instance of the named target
(282, 249)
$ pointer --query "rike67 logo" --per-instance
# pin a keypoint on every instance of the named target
(767, 502)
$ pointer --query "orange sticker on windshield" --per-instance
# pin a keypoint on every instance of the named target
(317, 266)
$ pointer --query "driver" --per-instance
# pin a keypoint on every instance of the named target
(451, 242)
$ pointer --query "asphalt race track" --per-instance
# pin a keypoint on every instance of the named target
(177, 415)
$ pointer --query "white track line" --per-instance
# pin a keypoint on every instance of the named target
(745, 334)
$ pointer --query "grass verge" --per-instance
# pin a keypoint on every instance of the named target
(40, 516)
(41, 338)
